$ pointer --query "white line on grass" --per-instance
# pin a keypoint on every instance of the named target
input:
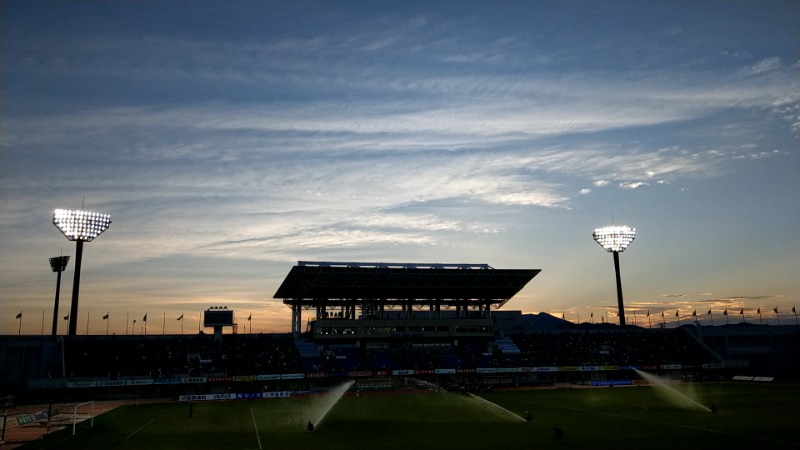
(140, 428)
(256, 427)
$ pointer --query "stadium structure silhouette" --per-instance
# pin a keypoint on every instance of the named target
(381, 324)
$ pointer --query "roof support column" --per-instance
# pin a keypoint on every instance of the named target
(296, 319)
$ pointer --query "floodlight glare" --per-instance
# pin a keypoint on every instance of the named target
(79, 226)
(616, 239)
(58, 264)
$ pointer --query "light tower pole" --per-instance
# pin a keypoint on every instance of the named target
(79, 226)
(58, 264)
(615, 239)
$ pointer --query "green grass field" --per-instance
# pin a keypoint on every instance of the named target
(748, 417)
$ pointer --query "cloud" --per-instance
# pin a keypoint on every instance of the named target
(585, 191)
(632, 185)
(765, 65)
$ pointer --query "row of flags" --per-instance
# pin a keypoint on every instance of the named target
(106, 317)
(694, 313)
(144, 319)
(725, 313)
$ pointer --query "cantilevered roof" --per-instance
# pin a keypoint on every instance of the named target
(310, 280)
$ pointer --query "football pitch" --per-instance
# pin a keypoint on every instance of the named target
(746, 417)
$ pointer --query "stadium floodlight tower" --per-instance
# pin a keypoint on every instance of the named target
(79, 226)
(616, 239)
(58, 264)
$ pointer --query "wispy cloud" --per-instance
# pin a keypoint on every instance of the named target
(360, 133)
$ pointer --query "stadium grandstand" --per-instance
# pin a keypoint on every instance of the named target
(380, 324)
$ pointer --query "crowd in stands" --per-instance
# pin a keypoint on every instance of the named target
(197, 355)
(119, 357)
(407, 357)
(611, 347)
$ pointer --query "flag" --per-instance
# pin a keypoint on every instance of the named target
(758, 311)
(180, 318)
(105, 317)
(795, 312)
(19, 316)
(741, 311)
(676, 313)
(662, 313)
(249, 317)
(694, 313)
(591, 314)
(709, 312)
(775, 309)
(648, 313)
(144, 319)
(725, 313)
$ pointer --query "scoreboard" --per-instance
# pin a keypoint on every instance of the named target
(218, 317)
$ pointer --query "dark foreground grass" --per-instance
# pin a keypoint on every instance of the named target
(748, 417)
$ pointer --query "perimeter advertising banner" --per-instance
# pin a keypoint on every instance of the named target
(110, 383)
(239, 396)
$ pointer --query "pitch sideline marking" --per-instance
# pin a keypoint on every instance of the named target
(140, 428)
(258, 438)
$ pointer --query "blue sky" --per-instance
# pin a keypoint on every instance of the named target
(228, 140)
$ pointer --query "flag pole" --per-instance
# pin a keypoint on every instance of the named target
(164, 324)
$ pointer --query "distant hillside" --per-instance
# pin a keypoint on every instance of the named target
(515, 322)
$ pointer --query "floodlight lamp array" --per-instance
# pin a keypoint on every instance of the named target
(59, 263)
(615, 238)
(81, 225)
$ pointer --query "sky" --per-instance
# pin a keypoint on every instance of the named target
(229, 140)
